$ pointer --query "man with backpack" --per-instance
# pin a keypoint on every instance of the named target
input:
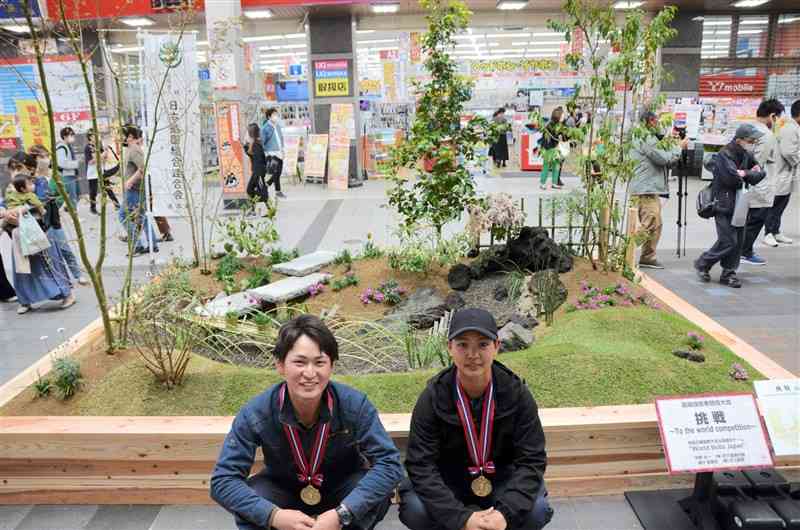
(733, 167)
(68, 164)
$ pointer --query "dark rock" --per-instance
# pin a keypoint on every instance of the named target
(460, 277)
(534, 250)
(422, 307)
(695, 357)
(491, 260)
(500, 293)
(527, 322)
(547, 289)
(454, 301)
(680, 354)
(473, 252)
(514, 337)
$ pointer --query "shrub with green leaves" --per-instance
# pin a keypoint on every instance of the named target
(344, 258)
(68, 377)
(259, 276)
(279, 255)
(42, 386)
(420, 250)
(247, 235)
(370, 250)
(344, 282)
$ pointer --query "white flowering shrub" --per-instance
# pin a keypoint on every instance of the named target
(497, 214)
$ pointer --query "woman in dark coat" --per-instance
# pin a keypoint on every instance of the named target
(499, 150)
(257, 187)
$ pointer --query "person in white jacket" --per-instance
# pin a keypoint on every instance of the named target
(762, 195)
(788, 170)
(68, 163)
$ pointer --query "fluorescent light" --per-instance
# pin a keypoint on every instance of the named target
(787, 20)
(126, 49)
(547, 34)
(385, 8)
(202, 43)
(286, 55)
(15, 28)
(698, 19)
(749, 3)
(718, 41)
(754, 21)
(364, 31)
(502, 35)
(283, 47)
(717, 23)
(751, 31)
(377, 41)
(137, 22)
(255, 14)
(511, 5)
(627, 4)
(295, 36)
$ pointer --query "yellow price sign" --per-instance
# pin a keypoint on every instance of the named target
(333, 87)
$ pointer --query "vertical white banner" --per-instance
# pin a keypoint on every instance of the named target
(176, 165)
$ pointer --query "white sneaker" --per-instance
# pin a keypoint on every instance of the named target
(83, 280)
(22, 309)
(770, 241)
(780, 238)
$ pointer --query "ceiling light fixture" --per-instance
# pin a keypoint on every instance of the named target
(627, 4)
(256, 14)
(15, 28)
(749, 3)
(126, 49)
(138, 22)
(511, 5)
(788, 20)
(296, 36)
(385, 8)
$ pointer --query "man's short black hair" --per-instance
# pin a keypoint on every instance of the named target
(271, 111)
(313, 328)
(796, 109)
(769, 107)
(67, 131)
(132, 131)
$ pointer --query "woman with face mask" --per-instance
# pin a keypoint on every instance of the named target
(40, 277)
(272, 138)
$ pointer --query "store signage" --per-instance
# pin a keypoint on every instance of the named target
(204, 74)
(111, 9)
(728, 85)
(8, 126)
(176, 166)
(415, 53)
(229, 143)
(14, 9)
(389, 55)
(8, 143)
(316, 155)
(523, 65)
(331, 78)
(292, 91)
(295, 70)
(712, 432)
(34, 123)
(780, 403)
(223, 71)
(270, 89)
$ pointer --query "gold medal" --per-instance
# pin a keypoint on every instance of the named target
(481, 487)
(311, 496)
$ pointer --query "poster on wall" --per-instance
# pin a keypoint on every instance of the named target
(316, 155)
(33, 122)
(389, 82)
(331, 78)
(342, 121)
(8, 131)
(339, 163)
(270, 88)
(176, 166)
(416, 47)
(223, 71)
(229, 145)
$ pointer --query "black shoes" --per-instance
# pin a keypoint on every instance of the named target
(731, 281)
(654, 264)
(704, 276)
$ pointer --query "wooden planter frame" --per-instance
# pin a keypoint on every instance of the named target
(168, 460)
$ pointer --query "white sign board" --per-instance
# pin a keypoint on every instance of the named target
(536, 98)
(780, 404)
(712, 433)
(176, 164)
(688, 116)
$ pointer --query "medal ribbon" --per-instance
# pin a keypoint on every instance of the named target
(480, 449)
(309, 473)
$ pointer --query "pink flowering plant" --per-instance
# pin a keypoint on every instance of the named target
(316, 289)
(593, 297)
(389, 293)
(695, 341)
(497, 214)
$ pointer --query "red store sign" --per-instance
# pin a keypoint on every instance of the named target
(729, 86)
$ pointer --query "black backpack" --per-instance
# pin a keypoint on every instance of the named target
(706, 203)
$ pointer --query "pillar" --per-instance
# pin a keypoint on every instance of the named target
(681, 56)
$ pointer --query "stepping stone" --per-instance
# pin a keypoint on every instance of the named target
(239, 302)
(288, 288)
(305, 264)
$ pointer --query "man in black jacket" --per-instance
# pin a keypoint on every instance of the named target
(733, 167)
(476, 455)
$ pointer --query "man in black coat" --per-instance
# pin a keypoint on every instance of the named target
(733, 167)
(476, 451)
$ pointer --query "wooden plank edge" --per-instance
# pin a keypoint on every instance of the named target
(749, 353)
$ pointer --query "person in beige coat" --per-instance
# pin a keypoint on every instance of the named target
(788, 170)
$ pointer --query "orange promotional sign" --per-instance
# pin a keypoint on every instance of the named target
(231, 152)
(34, 124)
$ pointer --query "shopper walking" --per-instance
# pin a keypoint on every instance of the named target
(499, 149)
(552, 134)
(649, 183)
(68, 164)
(38, 164)
(92, 176)
(272, 136)
(788, 170)
(257, 188)
(135, 217)
(762, 196)
(732, 167)
(42, 276)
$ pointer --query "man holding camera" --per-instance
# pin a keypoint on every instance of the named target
(649, 184)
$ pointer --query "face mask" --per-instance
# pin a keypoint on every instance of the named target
(274, 118)
(749, 147)
(42, 165)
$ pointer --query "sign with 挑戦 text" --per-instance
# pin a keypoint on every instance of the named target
(780, 404)
(712, 432)
(331, 78)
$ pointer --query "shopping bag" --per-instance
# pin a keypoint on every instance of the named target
(742, 207)
(32, 238)
(564, 149)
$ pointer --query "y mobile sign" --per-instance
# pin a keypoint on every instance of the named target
(729, 85)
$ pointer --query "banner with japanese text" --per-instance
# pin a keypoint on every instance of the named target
(33, 122)
(176, 168)
(229, 145)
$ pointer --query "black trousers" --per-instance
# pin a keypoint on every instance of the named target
(756, 218)
(772, 225)
(726, 251)
(93, 189)
(275, 176)
(6, 290)
(416, 516)
(257, 188)
(286, 498)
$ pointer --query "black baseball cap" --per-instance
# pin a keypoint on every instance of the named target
(473, 319)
